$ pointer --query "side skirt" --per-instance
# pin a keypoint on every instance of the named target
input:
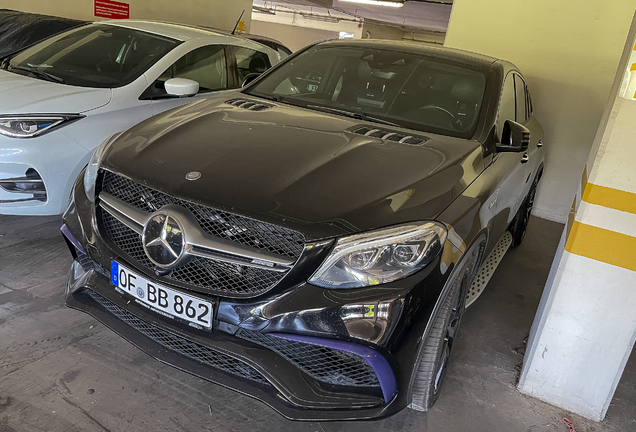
(488, 268)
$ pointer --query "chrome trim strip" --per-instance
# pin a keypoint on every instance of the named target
(203, 253)
(198, 243)
(39, 193)
(405, 138)
(19, 200)
(130, 216)
(22, 180)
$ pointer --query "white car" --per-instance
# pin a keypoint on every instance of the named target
(61, 98)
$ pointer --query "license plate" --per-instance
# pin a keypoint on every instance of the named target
(165, 301)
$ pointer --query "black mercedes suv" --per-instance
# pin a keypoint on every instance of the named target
(311, 239)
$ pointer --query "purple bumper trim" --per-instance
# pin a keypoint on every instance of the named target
(375, 359)
(72, 239)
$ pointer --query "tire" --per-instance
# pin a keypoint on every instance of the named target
(435, 354)
(519, 225)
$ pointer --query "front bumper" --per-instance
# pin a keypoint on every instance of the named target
(55, 158)
(250, 348)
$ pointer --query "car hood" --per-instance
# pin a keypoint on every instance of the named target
(295, 167)
(25, 95)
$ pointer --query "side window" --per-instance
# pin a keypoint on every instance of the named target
(283, 52)
(249, 61)
(520, 91)
(507, 109)
(205, 65)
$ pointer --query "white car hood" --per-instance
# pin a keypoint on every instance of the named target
(25, 95)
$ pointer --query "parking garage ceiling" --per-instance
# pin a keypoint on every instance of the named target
(427, 15)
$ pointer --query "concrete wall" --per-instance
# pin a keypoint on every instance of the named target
(299, 26)
(374, 30)
(429, 37)
(292, 37)
(569, 51)
(221, 14)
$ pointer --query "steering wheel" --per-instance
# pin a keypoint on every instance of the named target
(104, 62)
(457, 123)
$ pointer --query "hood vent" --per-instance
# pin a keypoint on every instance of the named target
(390, 135)
(248, 104)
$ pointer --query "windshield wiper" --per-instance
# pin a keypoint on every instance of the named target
(282, 99)
(46, 75)
(265, 96)
(352, 114)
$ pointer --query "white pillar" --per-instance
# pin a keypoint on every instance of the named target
(585, 327)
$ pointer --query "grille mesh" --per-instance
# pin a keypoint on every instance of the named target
(213, 276)
(195, 351)
(324, 364)
(88, 264)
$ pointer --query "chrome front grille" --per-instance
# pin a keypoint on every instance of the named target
(211, 275)
(239, 229)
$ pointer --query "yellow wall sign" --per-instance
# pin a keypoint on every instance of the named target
(241, 27)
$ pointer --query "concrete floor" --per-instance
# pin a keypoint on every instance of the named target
(60, 370)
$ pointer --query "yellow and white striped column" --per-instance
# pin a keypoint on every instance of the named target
(585, 327)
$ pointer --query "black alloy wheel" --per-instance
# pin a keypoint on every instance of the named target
(519, 225)
(438, 347)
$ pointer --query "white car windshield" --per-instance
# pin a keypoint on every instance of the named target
(382, 85)
(96, 55)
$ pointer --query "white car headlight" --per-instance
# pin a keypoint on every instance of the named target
(380, 256)
(32, 125)
(90, 175)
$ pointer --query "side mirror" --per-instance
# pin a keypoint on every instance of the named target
(181, 87)
(514, 138)
(249, 78)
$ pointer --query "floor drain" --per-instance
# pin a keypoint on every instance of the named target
(488, 268)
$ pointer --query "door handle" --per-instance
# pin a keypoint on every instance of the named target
(525, 158)
(540, 144)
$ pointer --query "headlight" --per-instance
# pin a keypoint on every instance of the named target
(90, 175)
(381, 256)
(32, 125)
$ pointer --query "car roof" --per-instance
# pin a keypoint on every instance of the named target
(176, 31)
(267, 41)
(417, 48)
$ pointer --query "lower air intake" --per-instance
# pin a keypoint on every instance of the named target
(324, 364)
(171, 341)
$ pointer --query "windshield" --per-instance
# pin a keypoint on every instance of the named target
(96, 55)
(380, 85)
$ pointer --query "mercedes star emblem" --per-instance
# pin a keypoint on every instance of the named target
(193, 175)
(163, 240)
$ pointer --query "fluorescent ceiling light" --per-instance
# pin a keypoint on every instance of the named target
(262, 10)
(320, 18)
(376, 2)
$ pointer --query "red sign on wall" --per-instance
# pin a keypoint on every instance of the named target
(112, 9)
